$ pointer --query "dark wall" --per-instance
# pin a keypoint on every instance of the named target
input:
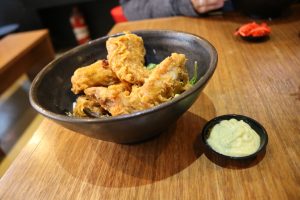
(14, 11)
(96, 14)
(54, 15)
(38, 4)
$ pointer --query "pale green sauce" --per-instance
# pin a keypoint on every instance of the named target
(233, 138)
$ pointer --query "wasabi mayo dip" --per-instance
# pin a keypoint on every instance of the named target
(233, 138)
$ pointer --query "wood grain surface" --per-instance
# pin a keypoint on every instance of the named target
(26, 52)
(260, 80)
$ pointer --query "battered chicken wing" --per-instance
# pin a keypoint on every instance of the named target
(126, 58)
(113, 98)
(167, 79)
(96, 74)
(84, 102)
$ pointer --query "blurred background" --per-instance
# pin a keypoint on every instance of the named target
(69, 23)
(55, 15)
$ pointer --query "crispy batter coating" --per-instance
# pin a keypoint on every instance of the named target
(96, 74)
(123, 85)
(165, 81)
(86, 102)
(126, 58)
(111, 98)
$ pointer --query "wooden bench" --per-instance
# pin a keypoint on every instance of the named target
(25, 52)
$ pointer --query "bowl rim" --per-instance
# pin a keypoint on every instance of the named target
(262, 134)
(64, 118)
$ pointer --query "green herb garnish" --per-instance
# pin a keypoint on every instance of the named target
(193, 80)
(151, 66)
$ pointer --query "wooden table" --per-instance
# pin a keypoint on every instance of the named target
(25, 52)
(260, 80)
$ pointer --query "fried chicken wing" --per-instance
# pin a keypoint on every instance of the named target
(113, 98)
(96, 74)
(122, 84)
(167, 79)
(126, 58)
(85, 102)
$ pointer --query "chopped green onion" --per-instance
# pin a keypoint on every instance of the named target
(69, 114)
(151, 66)
(194, 78)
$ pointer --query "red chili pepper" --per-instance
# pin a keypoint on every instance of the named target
(254, 30)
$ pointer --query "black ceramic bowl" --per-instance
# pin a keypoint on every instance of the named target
(257, 127)
(51, 96)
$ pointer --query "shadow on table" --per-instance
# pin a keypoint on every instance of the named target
(114, 165)
(117, 165)
(154, 160)
(234, 164)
